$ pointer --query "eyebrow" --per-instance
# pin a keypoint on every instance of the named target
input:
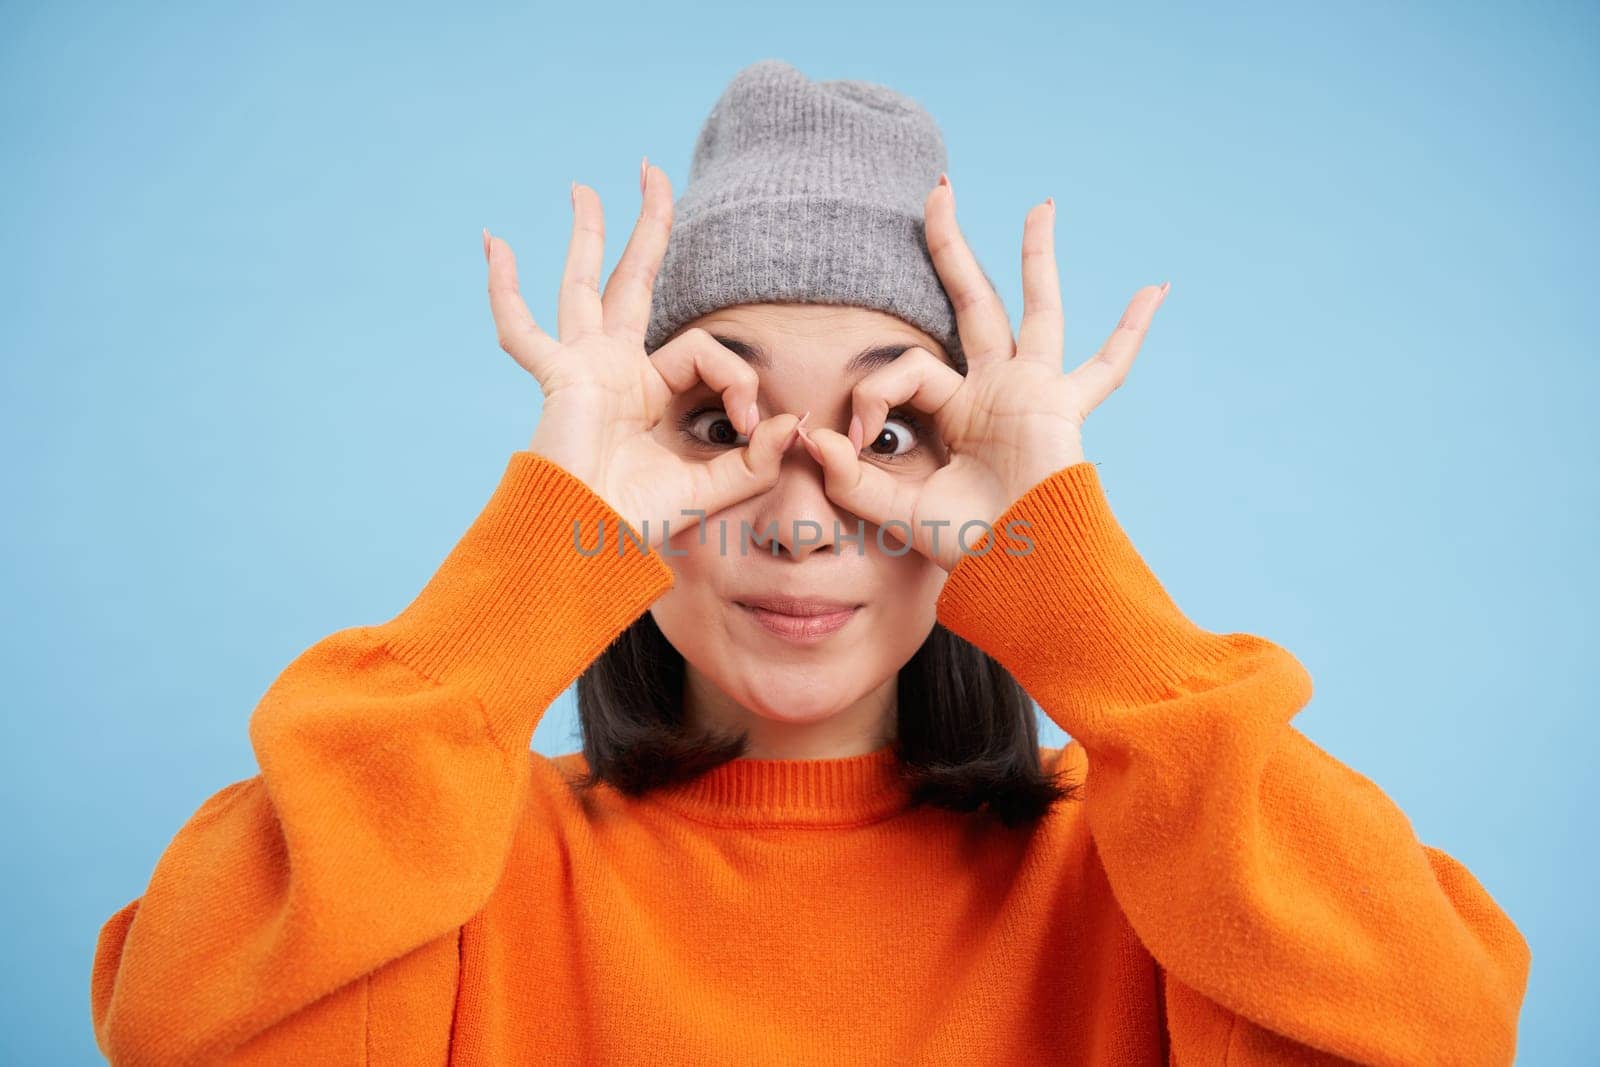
(866, 359)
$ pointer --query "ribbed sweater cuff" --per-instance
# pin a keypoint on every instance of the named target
(515, 613)
(1079, 612)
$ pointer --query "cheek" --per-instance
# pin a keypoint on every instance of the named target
(905, 611)
(918, 581)
(693, 564)
(685, 613)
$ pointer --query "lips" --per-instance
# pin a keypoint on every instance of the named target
(801, 619)
(801, 606)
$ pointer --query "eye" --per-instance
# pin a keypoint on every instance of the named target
(709, 426)
(900, 437)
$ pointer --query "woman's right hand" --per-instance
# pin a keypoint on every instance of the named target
(604, 396)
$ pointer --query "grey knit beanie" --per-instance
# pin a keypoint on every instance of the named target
(808, 192)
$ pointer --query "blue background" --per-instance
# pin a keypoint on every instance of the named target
(252, 395)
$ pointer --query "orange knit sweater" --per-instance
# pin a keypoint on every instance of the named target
(405, 883)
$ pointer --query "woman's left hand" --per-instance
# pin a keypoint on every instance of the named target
(1014, 419)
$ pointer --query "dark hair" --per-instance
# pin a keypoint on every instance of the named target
(966, 739)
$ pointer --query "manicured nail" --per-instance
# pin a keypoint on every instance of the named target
(486, 244)
(644, 174)
(1164, 287)
(794, 433)
(856, 430)
(1051, 201)
(811, 446)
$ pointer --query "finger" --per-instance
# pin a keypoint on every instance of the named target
(1102, 372)
(742, 472)
(627, 295)
(863, 489)
(579, 309)
(980, 315)
(520, 336)
(695, 356)
(1040, 338)
(916, 377)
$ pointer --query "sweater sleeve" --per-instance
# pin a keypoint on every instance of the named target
(1294, 913)
(394, 763)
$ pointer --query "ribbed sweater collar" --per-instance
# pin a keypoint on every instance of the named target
(792, 792)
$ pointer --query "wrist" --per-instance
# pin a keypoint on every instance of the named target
(1040, 466)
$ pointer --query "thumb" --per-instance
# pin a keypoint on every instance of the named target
(859, 488)
(743, 472)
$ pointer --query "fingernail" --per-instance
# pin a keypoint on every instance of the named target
(574, 195)
(644, 174)
(856, 430)
(486, 244)
(811, 446)
(1164, 287)
(751, 419)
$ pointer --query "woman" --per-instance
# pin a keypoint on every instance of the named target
(812, 526)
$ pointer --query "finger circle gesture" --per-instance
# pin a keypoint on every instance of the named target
(1010, 422)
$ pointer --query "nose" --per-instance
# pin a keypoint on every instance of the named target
(796, 518)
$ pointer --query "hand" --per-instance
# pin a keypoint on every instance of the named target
(1014, 419)
(603, 395)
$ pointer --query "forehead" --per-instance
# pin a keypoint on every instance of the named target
(853, 340)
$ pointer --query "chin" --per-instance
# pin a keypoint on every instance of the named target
(791, 697)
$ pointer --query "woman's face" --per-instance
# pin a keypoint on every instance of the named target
(804, 693)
